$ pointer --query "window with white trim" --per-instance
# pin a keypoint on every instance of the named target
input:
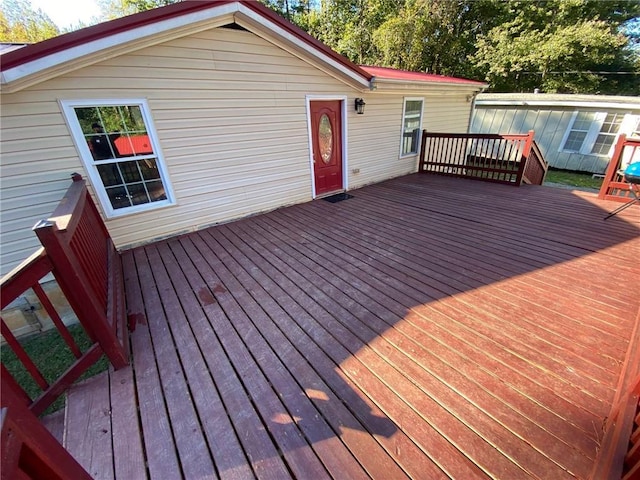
(578, 131)
(411, 125)
(119, 148)
(595, 133)
(607, 135)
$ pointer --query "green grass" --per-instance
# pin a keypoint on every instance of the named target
(574, 179)
(52, 356)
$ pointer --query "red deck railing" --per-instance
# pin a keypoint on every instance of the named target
(28, 449)
(78, 251)
(511, 159)
(626, 151)
(619, 453)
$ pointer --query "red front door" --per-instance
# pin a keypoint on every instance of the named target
(326, 135)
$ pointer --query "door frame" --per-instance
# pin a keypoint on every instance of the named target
(343, 117)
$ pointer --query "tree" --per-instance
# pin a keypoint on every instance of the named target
(432, 35)
(293, 10)
(119, 8)
(348, 26)
(558, 46)
(20, 23)
(425, 35)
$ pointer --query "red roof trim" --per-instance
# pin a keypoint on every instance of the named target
(113, 27)
(393, 74)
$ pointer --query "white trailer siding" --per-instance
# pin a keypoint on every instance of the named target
(549, 116)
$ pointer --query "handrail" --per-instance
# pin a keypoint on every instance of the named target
(616, 458)
(614, 187)
(511, 159)
(85, 266)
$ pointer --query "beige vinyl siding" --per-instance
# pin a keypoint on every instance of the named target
(37, 160)
(229, 110)
(374, 141)
(374, 138)
(447, 113)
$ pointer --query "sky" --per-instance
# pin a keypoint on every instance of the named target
(65, 13)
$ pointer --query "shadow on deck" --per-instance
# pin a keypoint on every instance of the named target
(428, 327)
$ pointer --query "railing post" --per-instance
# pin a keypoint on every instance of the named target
(612, 168)
(524, 158)
(423, 146)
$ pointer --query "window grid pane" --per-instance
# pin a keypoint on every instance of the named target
(607, 134)
(578, 132)
(411, 126)
(602, 144)
(574, 141)
(117, 136)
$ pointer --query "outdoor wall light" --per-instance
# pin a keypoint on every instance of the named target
(360, 106)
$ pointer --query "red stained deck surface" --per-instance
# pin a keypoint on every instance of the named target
(428, 328)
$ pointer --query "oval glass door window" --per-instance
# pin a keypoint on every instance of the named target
(325, 138)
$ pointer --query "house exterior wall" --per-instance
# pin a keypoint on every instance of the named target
(550, 123)
(229, 110)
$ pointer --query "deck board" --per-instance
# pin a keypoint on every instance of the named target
(160, 451)
(90, 442)
(428, 327)
(128, 454)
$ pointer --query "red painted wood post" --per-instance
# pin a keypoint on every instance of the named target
(613, 166)
(28, 449)
(423, 145)
(526, 150)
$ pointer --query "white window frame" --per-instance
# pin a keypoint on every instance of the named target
(404, 112)
(626, 126)
(68, 108)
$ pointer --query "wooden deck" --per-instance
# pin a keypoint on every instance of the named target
(429, 328)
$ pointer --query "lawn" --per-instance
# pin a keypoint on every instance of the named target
(574, 179)
(52, 356)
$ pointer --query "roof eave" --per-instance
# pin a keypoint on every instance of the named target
(393, 85)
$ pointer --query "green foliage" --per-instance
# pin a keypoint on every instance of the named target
(52, 356)
(126, 118)
(20, 23)
(119, 8)
(293, 10)
(556, 45)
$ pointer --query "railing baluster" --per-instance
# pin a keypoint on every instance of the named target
(22, 355)
(57, 321)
